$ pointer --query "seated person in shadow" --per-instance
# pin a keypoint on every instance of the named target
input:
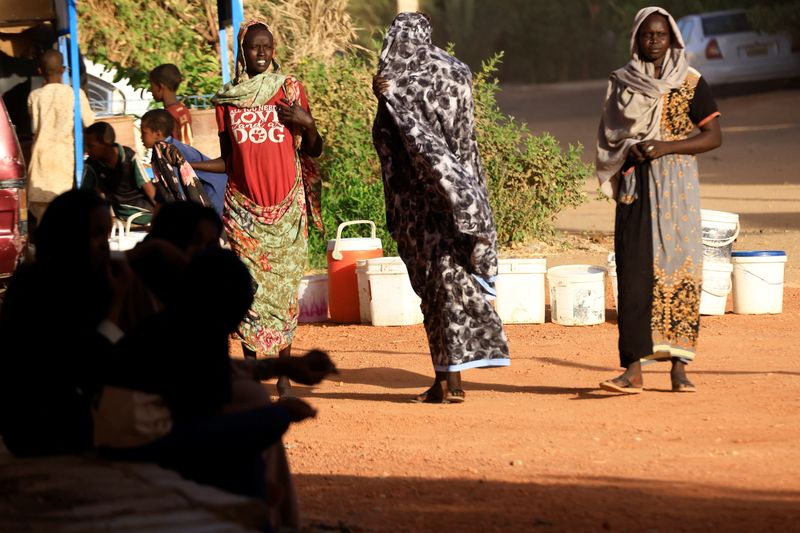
(116, 172)
(53, 358)
(223, 423)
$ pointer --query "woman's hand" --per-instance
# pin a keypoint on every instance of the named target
(294, 116)
(379, 86)
(653, 149)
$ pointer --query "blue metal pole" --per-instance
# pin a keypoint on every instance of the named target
(237, 16)
(76, 87)
(223, 55)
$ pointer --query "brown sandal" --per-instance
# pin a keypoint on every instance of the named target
(433, 395)
(620, 384)
(683, 385)
(455, 396)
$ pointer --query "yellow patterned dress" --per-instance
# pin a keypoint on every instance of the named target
(658, 240)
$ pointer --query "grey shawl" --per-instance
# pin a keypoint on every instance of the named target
(633, 104)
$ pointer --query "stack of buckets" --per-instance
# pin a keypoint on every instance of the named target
(755, 277)
(720, 229)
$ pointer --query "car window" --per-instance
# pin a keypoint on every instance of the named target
(723, 24)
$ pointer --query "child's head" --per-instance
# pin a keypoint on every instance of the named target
(98, 139)
(164, 79)
(157, 125)
(51, 63)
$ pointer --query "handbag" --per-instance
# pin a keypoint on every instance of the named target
(127, 418)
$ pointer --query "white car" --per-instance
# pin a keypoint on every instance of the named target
(725, 49)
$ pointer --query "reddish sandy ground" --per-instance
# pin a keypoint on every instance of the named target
(537, 447)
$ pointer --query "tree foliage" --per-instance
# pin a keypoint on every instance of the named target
(134, 36)
(547, 41)
(530, 178)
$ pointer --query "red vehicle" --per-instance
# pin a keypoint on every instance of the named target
(13, 200)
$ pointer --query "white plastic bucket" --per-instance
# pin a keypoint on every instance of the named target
(520, 290)
(720, 229)
(612, 276)
(716, 287)
(313, 298)
(758, 282)
(577, 295)
(385, 295)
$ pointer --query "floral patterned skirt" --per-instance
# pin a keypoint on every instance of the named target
(659, 252)
(272, 241)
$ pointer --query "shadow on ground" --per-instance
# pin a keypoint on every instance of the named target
(554, 504)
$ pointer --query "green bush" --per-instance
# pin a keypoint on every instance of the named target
(531, 179)
(341, 99)
(783, 16)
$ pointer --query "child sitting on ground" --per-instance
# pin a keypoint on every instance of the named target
(51, 107)
(158, 125)
(164, 82)
(117, 173)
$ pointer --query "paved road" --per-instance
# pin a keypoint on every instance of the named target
(754, 173)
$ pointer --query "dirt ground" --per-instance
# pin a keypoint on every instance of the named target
(537, 447)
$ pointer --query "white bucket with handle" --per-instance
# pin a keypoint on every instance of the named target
(577, 295)
(716, 287)
(720, 229)
(758, 282)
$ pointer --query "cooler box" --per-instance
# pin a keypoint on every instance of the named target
(342, 284)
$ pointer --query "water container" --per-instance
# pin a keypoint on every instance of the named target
(520, 290)
(577, 294)
(342, 283)
(716, 287)
(313, 298)
(385, 294)
(758, 282)
(720, 229)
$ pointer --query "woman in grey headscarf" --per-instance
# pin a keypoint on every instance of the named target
(437, 206)
(645, 161)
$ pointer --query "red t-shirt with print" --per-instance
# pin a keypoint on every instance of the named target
(261, 164)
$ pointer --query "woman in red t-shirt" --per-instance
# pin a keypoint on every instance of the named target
(268, 139)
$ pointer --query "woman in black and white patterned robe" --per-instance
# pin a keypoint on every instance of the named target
(437, 206)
